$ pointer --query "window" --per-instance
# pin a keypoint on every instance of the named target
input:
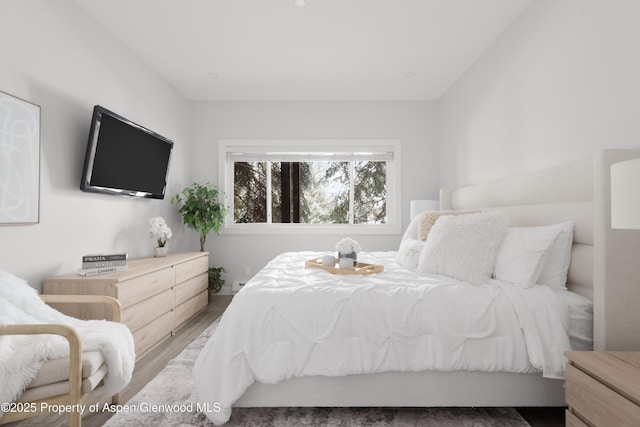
(310, 185)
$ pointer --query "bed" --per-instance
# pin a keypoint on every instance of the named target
(600, 270)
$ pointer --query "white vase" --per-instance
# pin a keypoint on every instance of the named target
(346, 263)
(160, 251)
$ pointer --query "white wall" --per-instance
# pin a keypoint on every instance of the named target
(412, 122)
(56, 56)
(559, 85)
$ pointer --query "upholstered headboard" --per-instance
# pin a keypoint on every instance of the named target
(605, 263)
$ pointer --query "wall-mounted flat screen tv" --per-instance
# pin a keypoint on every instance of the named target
(124, 158)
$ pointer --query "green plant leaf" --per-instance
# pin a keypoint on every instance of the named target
(200, 209)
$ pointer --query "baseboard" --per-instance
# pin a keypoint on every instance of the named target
(225, 290)
(237, 285)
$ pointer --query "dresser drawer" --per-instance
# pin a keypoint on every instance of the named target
(595, 402)
(138, 315)
(187, 270)
(190, 308)
(139, 288)
(191, 287)
(572, 421)
(152, 333)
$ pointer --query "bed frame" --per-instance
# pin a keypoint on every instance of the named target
(605, 267)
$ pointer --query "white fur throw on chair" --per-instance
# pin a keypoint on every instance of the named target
(21, 356)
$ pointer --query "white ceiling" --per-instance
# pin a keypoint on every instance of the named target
(326, 50)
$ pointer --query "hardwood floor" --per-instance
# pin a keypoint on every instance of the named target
(153, 362)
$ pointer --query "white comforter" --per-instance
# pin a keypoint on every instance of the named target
(289, 321)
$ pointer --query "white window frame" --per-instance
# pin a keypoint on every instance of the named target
(273, 147)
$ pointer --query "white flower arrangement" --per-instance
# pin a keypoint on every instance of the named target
(348, 246)
(158, 229)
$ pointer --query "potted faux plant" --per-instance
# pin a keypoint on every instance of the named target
(159, 230)
(200, 209)
(215, 279)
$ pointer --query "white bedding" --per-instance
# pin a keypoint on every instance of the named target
(290, 321)
(580, 320)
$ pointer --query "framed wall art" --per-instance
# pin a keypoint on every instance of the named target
(19, 161)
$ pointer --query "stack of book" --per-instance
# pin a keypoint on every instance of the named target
(101, 264)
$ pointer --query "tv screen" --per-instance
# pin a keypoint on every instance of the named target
(124, 158)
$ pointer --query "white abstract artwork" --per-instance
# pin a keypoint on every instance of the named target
(19, 161)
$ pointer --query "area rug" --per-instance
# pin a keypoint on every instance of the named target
(169, 400)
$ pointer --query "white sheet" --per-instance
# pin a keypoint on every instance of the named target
(290, 321)
(580, 320)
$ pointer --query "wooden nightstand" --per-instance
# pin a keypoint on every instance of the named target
(603, 388)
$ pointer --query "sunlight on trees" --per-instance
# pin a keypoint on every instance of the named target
(314, 192)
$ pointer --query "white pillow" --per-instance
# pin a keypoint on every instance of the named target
(556, 268)
(523, 254)
(464, 247)
(409, 252)
(412, 229)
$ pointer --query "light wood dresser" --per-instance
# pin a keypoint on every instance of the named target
(603, 388)
(157, 294)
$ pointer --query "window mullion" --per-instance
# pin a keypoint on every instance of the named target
(269, 196)
(352, 186)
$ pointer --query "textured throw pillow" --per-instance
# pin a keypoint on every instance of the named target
(428, 219)
(409, 253)
(556, 268)
(464, 247)
(523, 254)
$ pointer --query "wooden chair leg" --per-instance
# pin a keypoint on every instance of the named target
(75, 419)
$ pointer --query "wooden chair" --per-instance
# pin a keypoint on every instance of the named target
(46, 386)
